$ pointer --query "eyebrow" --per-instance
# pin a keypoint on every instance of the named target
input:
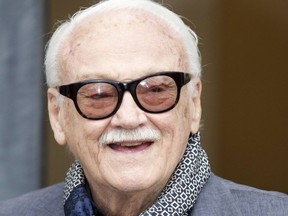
(92, 76)
(105, 76)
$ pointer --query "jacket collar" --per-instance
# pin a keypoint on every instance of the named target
(215, 199)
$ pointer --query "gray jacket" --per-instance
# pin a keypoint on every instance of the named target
(219, 197)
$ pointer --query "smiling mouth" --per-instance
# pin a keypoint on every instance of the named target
(130, 147)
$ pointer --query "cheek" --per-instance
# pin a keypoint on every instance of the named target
(185, 107)
(81, 134)
(183, 113)
(187, 112)
(176, 121)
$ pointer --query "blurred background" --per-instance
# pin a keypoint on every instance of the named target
(244, 47)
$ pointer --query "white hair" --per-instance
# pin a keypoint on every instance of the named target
(187, 36)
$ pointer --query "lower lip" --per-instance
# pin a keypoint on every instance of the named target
(131, 149)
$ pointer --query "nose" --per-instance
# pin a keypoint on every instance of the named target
(129, 115)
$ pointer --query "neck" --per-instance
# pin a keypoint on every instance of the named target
(113, 203)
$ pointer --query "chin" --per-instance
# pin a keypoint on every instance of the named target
(135, 183)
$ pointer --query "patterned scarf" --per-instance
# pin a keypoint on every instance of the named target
(177, 198)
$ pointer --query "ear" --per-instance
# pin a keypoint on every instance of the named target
(54, 116)
(196, 104)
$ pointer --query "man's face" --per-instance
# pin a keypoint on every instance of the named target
(124, 47)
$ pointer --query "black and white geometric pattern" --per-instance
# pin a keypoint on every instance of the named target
(181, 191)
(74, 177)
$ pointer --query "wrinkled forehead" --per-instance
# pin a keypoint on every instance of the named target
(92, 33)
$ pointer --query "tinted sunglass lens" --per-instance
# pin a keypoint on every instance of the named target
(157, 93)
(97, 100)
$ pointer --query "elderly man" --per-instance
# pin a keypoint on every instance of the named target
(124, 96)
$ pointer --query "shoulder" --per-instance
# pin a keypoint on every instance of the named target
(251, 200)
(223, 197)
(45, 202)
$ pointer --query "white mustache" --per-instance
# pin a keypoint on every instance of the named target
(121, 135)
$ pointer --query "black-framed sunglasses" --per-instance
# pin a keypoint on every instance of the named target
(99, 99)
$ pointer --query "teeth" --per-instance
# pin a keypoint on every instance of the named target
(129, 144)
